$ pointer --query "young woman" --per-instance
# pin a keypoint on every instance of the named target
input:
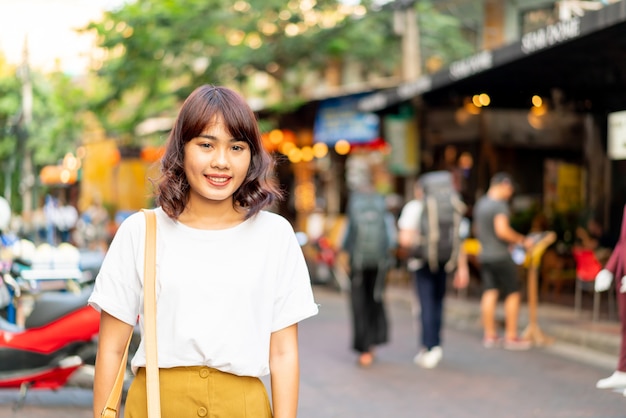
(231, 283)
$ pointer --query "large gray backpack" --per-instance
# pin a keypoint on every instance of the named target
(439, 239)
(369, 235)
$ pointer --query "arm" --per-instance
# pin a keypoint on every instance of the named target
(408, 225)
(586, 240)
(504, 231)
(112, 341)
(285, 371)
(461, 276)
(406, 238)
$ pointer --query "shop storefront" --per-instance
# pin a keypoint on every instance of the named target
(538, 108)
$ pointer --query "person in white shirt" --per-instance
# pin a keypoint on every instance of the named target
(232, 283)
(430, 286)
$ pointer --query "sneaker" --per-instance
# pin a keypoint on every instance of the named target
(616, 380)
(492, 342)
(418, 357)
(517, 344)
(429, 359)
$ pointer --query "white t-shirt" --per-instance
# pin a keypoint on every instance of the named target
(409, 221)
(220, 293)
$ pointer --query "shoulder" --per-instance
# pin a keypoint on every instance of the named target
(412, 207)
(410, 214)
(271, 220)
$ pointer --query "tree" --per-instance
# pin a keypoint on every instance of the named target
(157, 51)
(56, 126)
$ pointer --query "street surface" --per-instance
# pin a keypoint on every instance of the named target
(471, 381)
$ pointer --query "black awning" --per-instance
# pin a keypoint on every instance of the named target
(584, 57)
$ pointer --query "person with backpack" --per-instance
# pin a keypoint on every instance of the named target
(498, 272)
(429, 232)
(369, 239)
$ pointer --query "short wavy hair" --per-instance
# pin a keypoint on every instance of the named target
(258, 190)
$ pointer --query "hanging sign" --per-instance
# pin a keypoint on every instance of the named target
(339, 118)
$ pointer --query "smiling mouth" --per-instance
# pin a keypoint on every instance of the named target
(218, 180)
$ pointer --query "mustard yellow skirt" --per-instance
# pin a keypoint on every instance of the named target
(200, 392)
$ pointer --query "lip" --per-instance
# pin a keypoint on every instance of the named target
(218, 180)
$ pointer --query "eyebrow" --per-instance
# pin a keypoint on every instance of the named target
(207, 136)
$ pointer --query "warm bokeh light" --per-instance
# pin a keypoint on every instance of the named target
(307, 154)
(295, 155)
(476, 100)
(537, 101)
(286, 147)
(65, 176)
(481, 100)
(539, 110)
(342, 147)
(320, 150)
(471, 108)
(70, 162)
(276, 136)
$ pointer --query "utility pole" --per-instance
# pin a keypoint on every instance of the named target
(27, 178)
(405, 25)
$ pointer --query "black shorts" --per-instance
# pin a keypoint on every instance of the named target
(501, 275)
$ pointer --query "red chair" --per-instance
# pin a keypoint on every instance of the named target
(587, 267)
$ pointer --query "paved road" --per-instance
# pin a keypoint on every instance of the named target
(471, 381)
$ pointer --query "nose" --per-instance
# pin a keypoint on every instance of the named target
(220, 159)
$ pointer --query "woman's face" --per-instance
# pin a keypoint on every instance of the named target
(215, 164)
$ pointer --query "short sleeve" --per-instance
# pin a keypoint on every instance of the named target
(294, 295)
(409, 217)
(118, 288)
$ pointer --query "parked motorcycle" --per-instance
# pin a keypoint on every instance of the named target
(45, 335)
(58, 337)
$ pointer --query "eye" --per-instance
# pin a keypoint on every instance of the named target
(239, 147)
(205, 145)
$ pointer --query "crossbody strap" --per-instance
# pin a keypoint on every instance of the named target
(113, 401)
(149, 313)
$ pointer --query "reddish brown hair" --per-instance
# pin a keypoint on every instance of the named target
(202, 107)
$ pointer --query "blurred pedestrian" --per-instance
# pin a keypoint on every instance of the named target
(430, 281)
(369, 240)
(94, 223)
(232, 283)
(498, 272)
(615, 268)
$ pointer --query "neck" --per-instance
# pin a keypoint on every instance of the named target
(220, 215)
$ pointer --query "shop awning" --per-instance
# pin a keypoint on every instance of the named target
(584, 57)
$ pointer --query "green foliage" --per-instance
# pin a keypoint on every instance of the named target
(441, 34)
(157, 51)
(55, 129)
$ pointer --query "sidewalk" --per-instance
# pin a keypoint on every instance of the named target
(600, 339)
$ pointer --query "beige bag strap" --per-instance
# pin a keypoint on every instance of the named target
(149, 309)
(110, 408)
(152, 370)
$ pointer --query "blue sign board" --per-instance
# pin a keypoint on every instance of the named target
(339, 118)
